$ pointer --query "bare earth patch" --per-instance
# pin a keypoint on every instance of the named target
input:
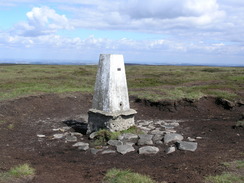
(57, 161)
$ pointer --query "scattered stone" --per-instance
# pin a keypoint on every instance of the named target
(172, 137)
(108, 152)
(95, 151)
(58, 136)
(157, 138)
(56, 129)
(123, 149)
(145, 139)
(115, 142)
(93, 135)
(157, 132)
(128, 137)
(168, 126)
(148, 150)
(78, 144)
(64, 129)
(170, 130)
(129, 143)
(41, 136)
(83, 148)
(199, 138)
(76, 134)
(71, 138)
(170, 149)
(191, 139)
(187, 146)
(158, 142)
(151, 126)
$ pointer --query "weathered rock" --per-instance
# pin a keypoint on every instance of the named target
(123, 149)
(145, 139)
(170, 150)
(58, 136)
(128, 137)
(76, 134)
(93, 135)
(81, 146)
(157, 132)
(148, 150)
(144, 128)
(187, 146)
(191, 139)
(95, 151)
(70, 138)
(157, 138)
(115, 142)
(172, 137)
(64, 129)
(199, 138)
(108, 152)
(41, 136)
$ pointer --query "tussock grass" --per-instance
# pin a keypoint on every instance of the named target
(148, 82)
(104, 135)
(225, 178)
(234, 174)
(21, 171)
(126, 176)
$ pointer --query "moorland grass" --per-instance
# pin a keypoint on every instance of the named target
(126, 176)
(146, 82)
(233, 175)
(20, 171)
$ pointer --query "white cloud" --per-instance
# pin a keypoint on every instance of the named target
(42, 21)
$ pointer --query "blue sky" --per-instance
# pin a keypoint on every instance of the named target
(148, 31)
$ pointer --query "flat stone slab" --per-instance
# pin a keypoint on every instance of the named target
(128, 137)
(41, 136)
(145, 139)
(157, 137)
(108, 152)
(115, 142)
(172, 137)
(123, 149)
(81, 146)
(148, 150)
(187, 146)
(170, 150)
(95, 151)
(58, 136)
(71, 138)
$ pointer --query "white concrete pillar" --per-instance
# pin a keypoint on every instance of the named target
(110, 107)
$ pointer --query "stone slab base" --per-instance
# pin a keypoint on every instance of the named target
(112, 121)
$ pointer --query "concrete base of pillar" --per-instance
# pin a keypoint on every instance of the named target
(112, 121)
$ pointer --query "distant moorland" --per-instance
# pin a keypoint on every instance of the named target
(146, 82)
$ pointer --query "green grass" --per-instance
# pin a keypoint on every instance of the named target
(20, 171)
(239, 124)
(104, 135)
(234, 174)
(146, 82)
(2, 122)
(225, 178)
(126, 176)
(10, 126)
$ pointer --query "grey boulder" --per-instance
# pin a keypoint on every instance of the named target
(145, 139)
(123, 149)
(172, 137)
(148, 150)
(187, 146)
